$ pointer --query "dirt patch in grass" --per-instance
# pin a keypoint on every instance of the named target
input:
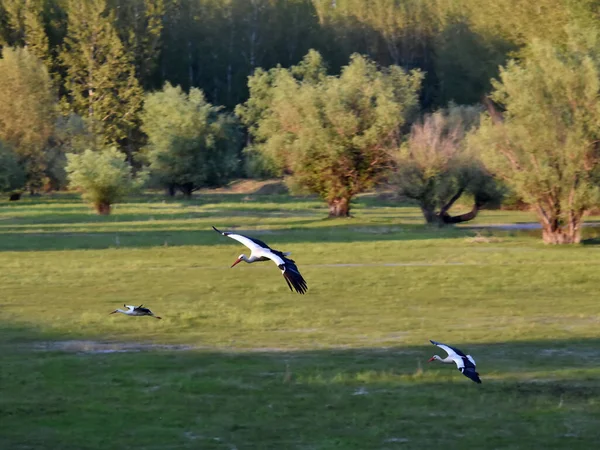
(266, 187)
(92, 347)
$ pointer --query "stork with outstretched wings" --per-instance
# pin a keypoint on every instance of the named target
(262, 252)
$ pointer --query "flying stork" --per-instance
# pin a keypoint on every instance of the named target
(465, 363)
(136, 311)
(262, 252)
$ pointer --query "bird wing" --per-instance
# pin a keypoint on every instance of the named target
(450, 350)
(144, 310)
(472, 374)
(251, 243)
(471, 360)
(130, 307)
(289, 270)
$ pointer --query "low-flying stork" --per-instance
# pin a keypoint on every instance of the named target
(262, 252)
(136, 311)
(465, 363)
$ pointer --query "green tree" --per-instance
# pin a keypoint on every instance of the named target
(333, 135)
(545, 144)
(466, 61)
(103, 177)
(435, 169)
(35, 24)
(12, 176)
(70, 136)
(28, 109)
(140, 25)
(191, 143)
(520, 21)
(101, 81)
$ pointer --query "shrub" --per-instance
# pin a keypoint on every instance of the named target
(103, 177)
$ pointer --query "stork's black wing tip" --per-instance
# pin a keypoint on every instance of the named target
(433, 342)
(296, 282)
(472, 375)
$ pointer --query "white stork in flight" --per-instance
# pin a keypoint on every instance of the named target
(465, 363)
(136, 311)
(262, 252)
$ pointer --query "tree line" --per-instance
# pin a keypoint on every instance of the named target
(439, 99)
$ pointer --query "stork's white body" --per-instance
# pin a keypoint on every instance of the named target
(259, 251)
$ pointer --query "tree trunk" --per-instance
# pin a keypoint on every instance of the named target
(553, 232)
(102, 208)
(339, 207)
(430, 216)
(560, 235)
(187, 189)
(443, 218)
(448, 219)
(171, 190)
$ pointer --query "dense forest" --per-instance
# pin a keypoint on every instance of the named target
(194, 92)
(216, 44)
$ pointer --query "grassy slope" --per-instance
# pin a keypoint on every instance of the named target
(341, 367)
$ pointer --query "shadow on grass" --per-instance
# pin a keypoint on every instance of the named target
(69, 198)
(15, 240)
(533, 393)
(59, 224)
(68, 208)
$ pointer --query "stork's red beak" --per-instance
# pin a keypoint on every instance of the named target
(112, 312)
(431, 359)
(237, 261)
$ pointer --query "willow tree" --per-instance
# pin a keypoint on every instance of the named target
(332, 134)
(191, 143)
(434, 167)
(545, 144)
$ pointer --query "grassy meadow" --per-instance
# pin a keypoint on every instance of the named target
(240, 362)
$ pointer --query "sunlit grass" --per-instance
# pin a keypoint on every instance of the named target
(344, 366)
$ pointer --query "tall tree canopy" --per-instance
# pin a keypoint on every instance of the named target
(101, 80)
(28, 109)
(332, 134)
(140, 24)
(546, 143)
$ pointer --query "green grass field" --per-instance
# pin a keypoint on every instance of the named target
(239, 362)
